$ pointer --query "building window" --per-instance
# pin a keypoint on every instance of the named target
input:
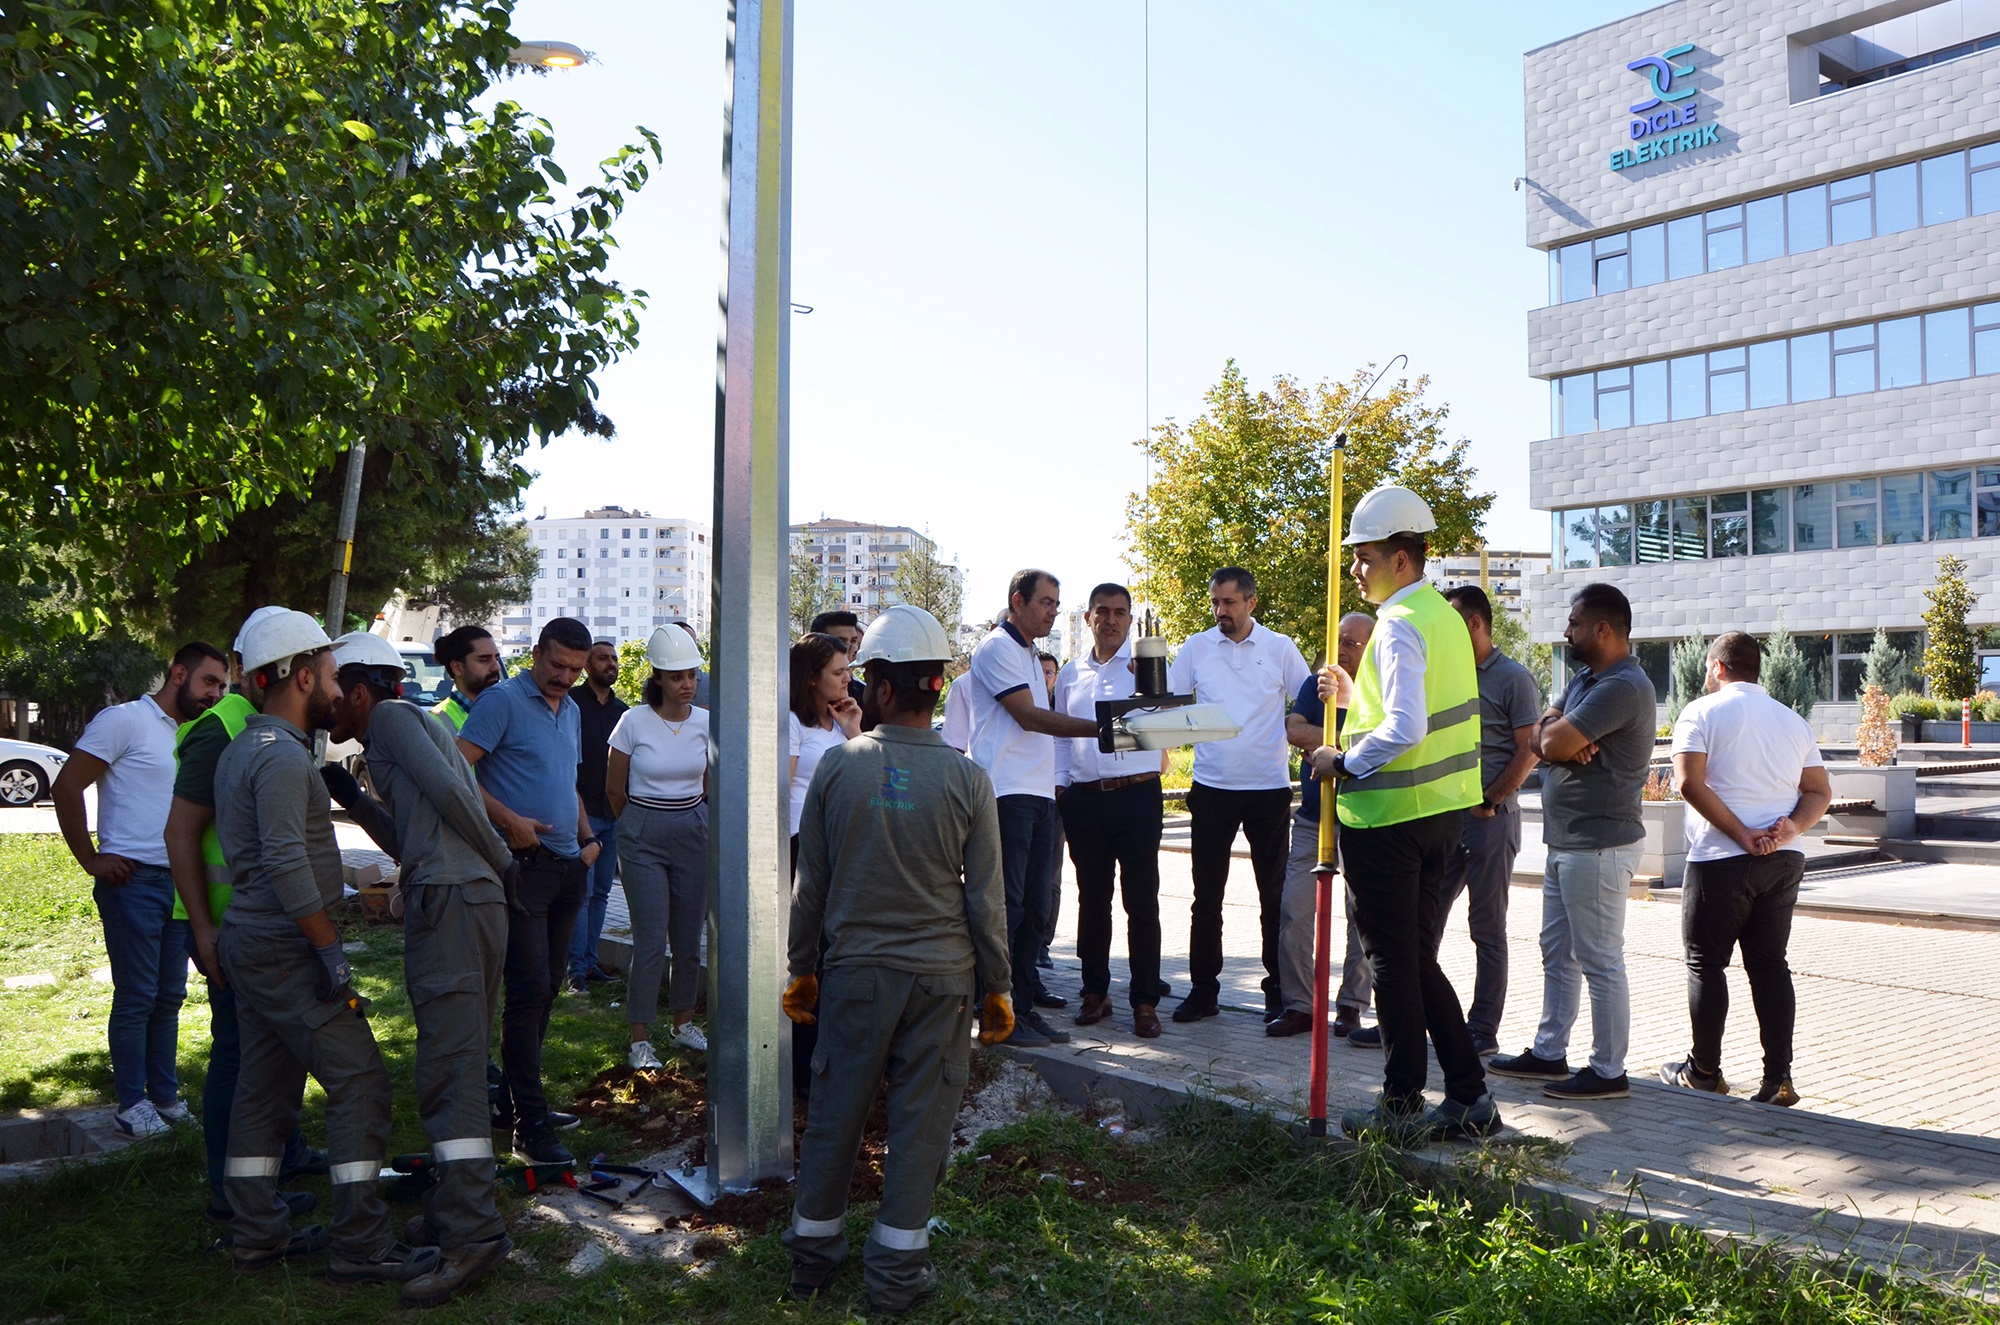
(1812, 517)
(1855, 512)
(1769, 525)
(562, 572)
(625, 552)
(604, 533)
(1729, 525)
(625, 533)
(562, 552)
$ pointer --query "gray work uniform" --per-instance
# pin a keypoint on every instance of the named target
(455, 941)
(272, 815)
(899, 869)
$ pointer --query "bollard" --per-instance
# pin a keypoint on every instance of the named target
(1965, 721)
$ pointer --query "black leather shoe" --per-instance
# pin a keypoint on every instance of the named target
(1047, 1000)
(1288, 1022)
(1194, 1007)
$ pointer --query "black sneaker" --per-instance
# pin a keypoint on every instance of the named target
(1777, 1092)
(1365, 1037)
(1452, 1121)
(1587, 1085)
(576, 984)
(1041, 1027)
(1194, 1007)
(1025, 1036)
(1686, 1075)
(542, 1148)
(597, 975)
(1401, 1128)
(1526, 1065)
(562, 1122)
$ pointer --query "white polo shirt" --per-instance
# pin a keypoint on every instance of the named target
(136, 742)
(1081, 683)
(1021, 763)
(1756, 749)
(957, 731)
(1255, 680)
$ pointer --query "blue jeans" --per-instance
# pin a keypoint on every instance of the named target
(148, 951)
(1584, 896)
(218, 1090)
(589, 921)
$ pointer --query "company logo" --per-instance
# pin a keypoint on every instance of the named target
(1661, 71)
(894, 790)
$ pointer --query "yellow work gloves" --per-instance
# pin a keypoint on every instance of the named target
(996, 1018)
(801, 997)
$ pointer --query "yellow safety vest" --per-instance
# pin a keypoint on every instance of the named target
(232, 711)
(1441, 772)
(451, 711)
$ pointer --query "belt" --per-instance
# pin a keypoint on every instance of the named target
(673, 803)
(1114, 784)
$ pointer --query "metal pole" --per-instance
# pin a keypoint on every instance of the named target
(343, 542)
(1323, 899)
(749, 1058)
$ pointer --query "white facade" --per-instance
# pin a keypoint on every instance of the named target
(619, 572)
(861, 560)
(1510, 576)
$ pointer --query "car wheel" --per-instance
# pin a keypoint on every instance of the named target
(22, 784)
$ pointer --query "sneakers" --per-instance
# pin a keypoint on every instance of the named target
(1398, 1127)
(921, 1295)
(396, 1263)
(562, 1122)
(1025, 1036)
(1688, 1076)
(174, 1111)
(1046, 1031)
(1529, 1067)
(688, 1036)
(141, 1121)
(1452, 1121)
(1484, 1047)
(1587, 1085)
(455, 1271)
(303, 1242)
(1196, 1006)
(1777, 1092)
(417, 1231)
(641, 1058)
(597, 975)
(543, 1148)
(1365, 1037)
(576, 984)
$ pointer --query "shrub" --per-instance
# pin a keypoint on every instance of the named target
(1950, 663)
(1787, 675)
(1687, 670)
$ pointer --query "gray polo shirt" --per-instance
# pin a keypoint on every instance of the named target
(532, 752)
(275, 822)
(441, 827)
(1588, 807)
(1508, 699)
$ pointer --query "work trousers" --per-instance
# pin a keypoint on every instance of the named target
(218, 1088)
(916, 1030)
(665, 858)
(290, 1031)
(1747, 900)
(454, 947)
(1298, 928)
(590, 917)
(148, 952)
(1116, 833)
(1216, 816)
(1584, 897)
(1394, 877)
(550, 891)
(1027, 851)
(1482, 869)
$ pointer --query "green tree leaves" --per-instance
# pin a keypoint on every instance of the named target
(1950, 649)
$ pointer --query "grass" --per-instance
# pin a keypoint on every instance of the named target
(1219, 1216)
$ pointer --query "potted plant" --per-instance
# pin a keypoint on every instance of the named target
(1664, 813)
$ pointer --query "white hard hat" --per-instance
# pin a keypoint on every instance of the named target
(903, 634)
(358, 648)
(276, 635)
(1387, 511)
(672, 650)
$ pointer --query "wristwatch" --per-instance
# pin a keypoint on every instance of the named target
(588, 842)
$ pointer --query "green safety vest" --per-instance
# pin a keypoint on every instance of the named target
(1440, 772)
(451, 711)
(232, 711)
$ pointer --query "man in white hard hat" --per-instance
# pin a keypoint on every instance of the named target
(1409, 773)
(899, 871)
(455, 940)
(294, 992)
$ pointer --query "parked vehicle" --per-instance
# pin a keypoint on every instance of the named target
(26, 771)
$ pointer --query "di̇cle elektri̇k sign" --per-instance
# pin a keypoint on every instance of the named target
(1667, 122)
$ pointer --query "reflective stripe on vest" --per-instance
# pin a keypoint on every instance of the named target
(232, 711)
(452, 712)
(1441, 772)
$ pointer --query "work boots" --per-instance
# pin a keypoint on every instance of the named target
(396, 1263)
(455, 1271)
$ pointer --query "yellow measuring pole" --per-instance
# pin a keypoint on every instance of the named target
(1333, 573)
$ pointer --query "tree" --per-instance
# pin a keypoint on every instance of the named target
(1886, 667)
(1511, 638)
(1689, 667)
(1950, 649)
(812, 592)
(1245, 484)
(237, 236)
(1786, 673)
(923, 580)
(70, 679)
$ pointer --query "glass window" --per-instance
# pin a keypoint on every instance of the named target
(1614, 398)
(1944, 188)
(1725, 238)
(1652, 528)
(1986, 182)
(1727, 389)
(1805, 219)
(1855, 506)
(1948, 345)
(1903, 509)
(1986, 338)
(1851, 209)
(1767, 374)
(1853, 360)
(1556, 407)
(1951, 503)
(1684, 247)
(1649, 392)
(1812, 517)
(1649, 255)
(1768, 532)
(1614, 273)
(1896, 199)
(1729, 525)
(1614, 535)
(1579, 545)
(1812, 367)
(1688, 376)
(1690, 528)
(1575, 272)
(1899, 350)
(1579, 410)
(1764, 228)
(1989, 504)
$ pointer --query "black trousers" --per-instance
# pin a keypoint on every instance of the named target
(537, 954)
(1746, 900)
(1116, 832)
(1395, 876)
(1265, 820)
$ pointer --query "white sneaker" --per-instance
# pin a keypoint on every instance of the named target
(689, 1036)
(177, 1112)
(642, 1058)
(141, 1120)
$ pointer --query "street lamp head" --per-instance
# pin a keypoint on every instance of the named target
(549, 55)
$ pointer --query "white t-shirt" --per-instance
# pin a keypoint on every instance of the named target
(1255, 680)
(1021, 763)
(669, 760)
(957, 731)
(808, 744)
(136, 740)
(1756, 749)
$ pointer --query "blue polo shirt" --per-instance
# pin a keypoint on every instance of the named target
(532, 753)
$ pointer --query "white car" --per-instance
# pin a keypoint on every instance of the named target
(26, 770)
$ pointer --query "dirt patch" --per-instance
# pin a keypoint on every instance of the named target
(1016, 1170)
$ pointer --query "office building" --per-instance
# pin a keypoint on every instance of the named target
(620, 572)
(862, 560)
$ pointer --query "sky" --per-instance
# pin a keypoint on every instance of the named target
(1330, 185)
